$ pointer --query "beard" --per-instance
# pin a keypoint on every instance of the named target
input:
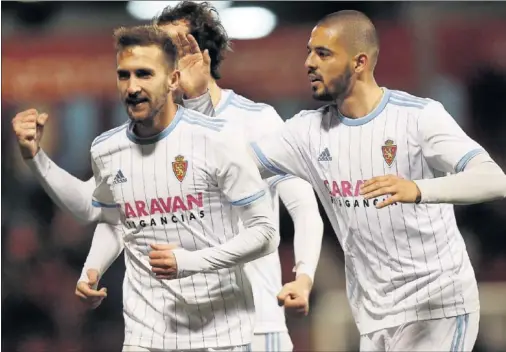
(177, 96)
(154, 106)
(337, 88)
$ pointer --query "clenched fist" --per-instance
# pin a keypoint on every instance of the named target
(163, 262)
(294, 296)
(28, 126)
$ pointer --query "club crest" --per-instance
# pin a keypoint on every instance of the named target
(389, 151)
(179, 167)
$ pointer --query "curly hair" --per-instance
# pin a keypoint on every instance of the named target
(204, 25)
(145, 35)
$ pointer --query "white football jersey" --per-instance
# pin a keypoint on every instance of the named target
(250, 121)
(179, 187)
(405, 262)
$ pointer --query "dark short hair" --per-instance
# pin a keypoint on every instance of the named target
(204, 25)
(360, 33)
(145, 35)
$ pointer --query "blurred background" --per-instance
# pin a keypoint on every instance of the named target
(58, 57)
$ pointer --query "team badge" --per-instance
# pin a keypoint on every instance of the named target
(389, 151)
(179, 167)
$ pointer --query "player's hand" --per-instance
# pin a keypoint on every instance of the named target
(163, 262)
(87, 291)
(28, 126)
(401, 190)
(294, 295)
(194, 66)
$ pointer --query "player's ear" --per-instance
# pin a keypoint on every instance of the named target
(360, 62)
(173, 80)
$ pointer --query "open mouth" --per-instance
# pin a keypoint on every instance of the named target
(313, 78)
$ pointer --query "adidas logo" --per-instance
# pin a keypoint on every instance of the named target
(325, 155)
(119, 178)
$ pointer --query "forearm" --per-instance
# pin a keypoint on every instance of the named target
(106, 246)
(299, 199)
(67, 191)
(202, 104)
(482, 180)
(259, 238)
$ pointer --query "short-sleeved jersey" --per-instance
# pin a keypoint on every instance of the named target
(405, 262)
(179, 187)
(250, 121)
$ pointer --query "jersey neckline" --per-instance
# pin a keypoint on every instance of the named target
(157, 137)
(226, 97)
(367, 118)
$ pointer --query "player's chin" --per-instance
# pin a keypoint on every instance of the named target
(138, 116)
(321, 95)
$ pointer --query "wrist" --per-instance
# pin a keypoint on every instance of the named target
(27, 154)
(305, 281)
(187, 262)
(302, 269)
(418, 198)
(419, 186)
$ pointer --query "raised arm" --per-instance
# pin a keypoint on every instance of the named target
(67, 191)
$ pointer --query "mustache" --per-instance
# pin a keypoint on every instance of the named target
(134, 99)
(313, 74)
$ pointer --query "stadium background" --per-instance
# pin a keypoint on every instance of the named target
(58, 57)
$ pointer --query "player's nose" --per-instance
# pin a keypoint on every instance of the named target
(309, 63)
(133, 87)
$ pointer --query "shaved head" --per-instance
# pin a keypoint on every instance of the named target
(356, 31)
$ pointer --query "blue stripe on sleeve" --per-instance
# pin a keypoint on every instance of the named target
(97, 204)
(461, 165)
(265, 162)
(249, 200)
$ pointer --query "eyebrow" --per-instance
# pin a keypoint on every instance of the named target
(323, 48)
(144, 69)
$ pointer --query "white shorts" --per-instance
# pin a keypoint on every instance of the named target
(244, 348)
(272, 342)
(447, 334)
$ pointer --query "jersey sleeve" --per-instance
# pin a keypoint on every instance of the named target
(69, 192)
(263, 123)
(103, 197)
(445, 146)
(280, 151)
(236, 172)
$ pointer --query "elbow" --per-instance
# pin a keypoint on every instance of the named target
(86, 219)
(272, 238)
(88, 216)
